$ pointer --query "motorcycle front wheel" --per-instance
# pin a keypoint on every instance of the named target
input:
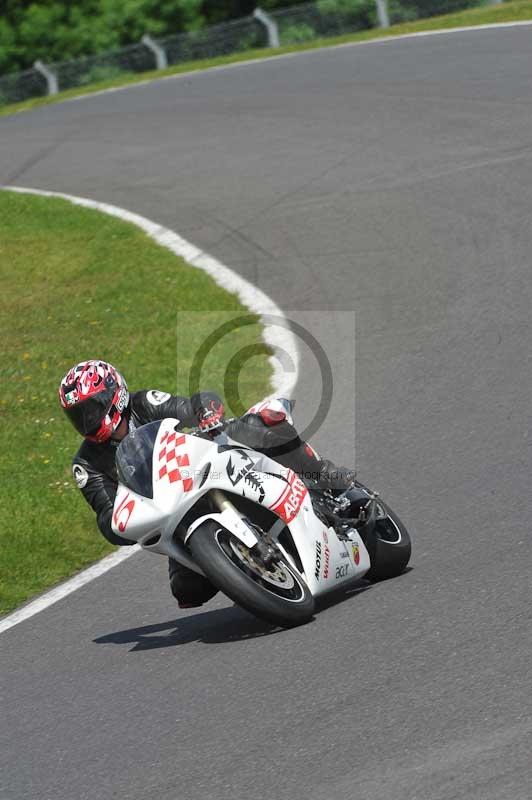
(391, 548)
(275, 593)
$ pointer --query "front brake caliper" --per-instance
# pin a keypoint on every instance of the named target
(267, 553)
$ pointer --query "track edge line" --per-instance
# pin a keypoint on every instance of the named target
(273, 57)
(249, 295)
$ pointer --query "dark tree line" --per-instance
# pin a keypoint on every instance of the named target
(58, 30)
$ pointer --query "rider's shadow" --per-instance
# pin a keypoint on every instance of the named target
(218, 626)
(211, 627)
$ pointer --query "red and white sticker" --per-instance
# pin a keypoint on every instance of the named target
(288, 505)
(172, 457)
(123, 512)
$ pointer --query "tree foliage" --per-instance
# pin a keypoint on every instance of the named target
(60, 30)
(57, 30)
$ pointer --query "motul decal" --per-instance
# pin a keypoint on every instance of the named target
(289, 503)
(319, 552)
(123, 512)
(323, 557)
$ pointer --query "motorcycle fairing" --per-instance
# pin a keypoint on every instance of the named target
(185, 467)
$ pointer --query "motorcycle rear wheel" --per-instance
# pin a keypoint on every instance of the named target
(391, 548)
(276, 593)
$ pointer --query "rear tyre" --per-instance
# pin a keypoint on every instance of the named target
(391, 549)
(275, 593)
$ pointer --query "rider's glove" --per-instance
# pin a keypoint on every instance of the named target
(211, 419)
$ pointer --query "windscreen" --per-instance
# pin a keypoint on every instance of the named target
(134, 459)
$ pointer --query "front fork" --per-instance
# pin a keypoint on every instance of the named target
(222, 502)
(228, 517)
(264, 547)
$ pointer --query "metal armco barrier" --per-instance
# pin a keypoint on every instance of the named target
(274, 29)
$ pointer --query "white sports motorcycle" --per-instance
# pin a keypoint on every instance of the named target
(261, 535)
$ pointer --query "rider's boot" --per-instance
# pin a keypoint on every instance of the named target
(280, 440)
(317, 471)
(333, 478)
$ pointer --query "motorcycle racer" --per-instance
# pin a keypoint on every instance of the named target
(95, 397)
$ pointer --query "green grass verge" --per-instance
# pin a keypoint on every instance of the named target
(513, 11)
(78, 284)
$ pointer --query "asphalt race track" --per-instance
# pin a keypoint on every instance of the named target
(392, 180)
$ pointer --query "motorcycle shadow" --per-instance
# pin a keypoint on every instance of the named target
(218, 626)
(340, 595)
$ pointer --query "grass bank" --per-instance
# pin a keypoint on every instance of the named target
(78, 284)
(515, 11)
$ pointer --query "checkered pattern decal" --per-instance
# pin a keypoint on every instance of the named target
(170, 460)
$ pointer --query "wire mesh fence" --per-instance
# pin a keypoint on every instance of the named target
(217, 40)
(22, 86)
(324, 18)
(410, 10)
(102, 67)
(300, 23)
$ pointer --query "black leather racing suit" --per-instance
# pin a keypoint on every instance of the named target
(95, 473)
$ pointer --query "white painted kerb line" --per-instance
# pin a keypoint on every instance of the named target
(51, 597)
(278, 338)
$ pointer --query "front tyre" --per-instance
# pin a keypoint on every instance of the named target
(275, 593)
(391, 548)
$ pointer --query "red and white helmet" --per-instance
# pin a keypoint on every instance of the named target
(94, 396)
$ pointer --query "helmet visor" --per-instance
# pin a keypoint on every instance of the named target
(88, 415)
